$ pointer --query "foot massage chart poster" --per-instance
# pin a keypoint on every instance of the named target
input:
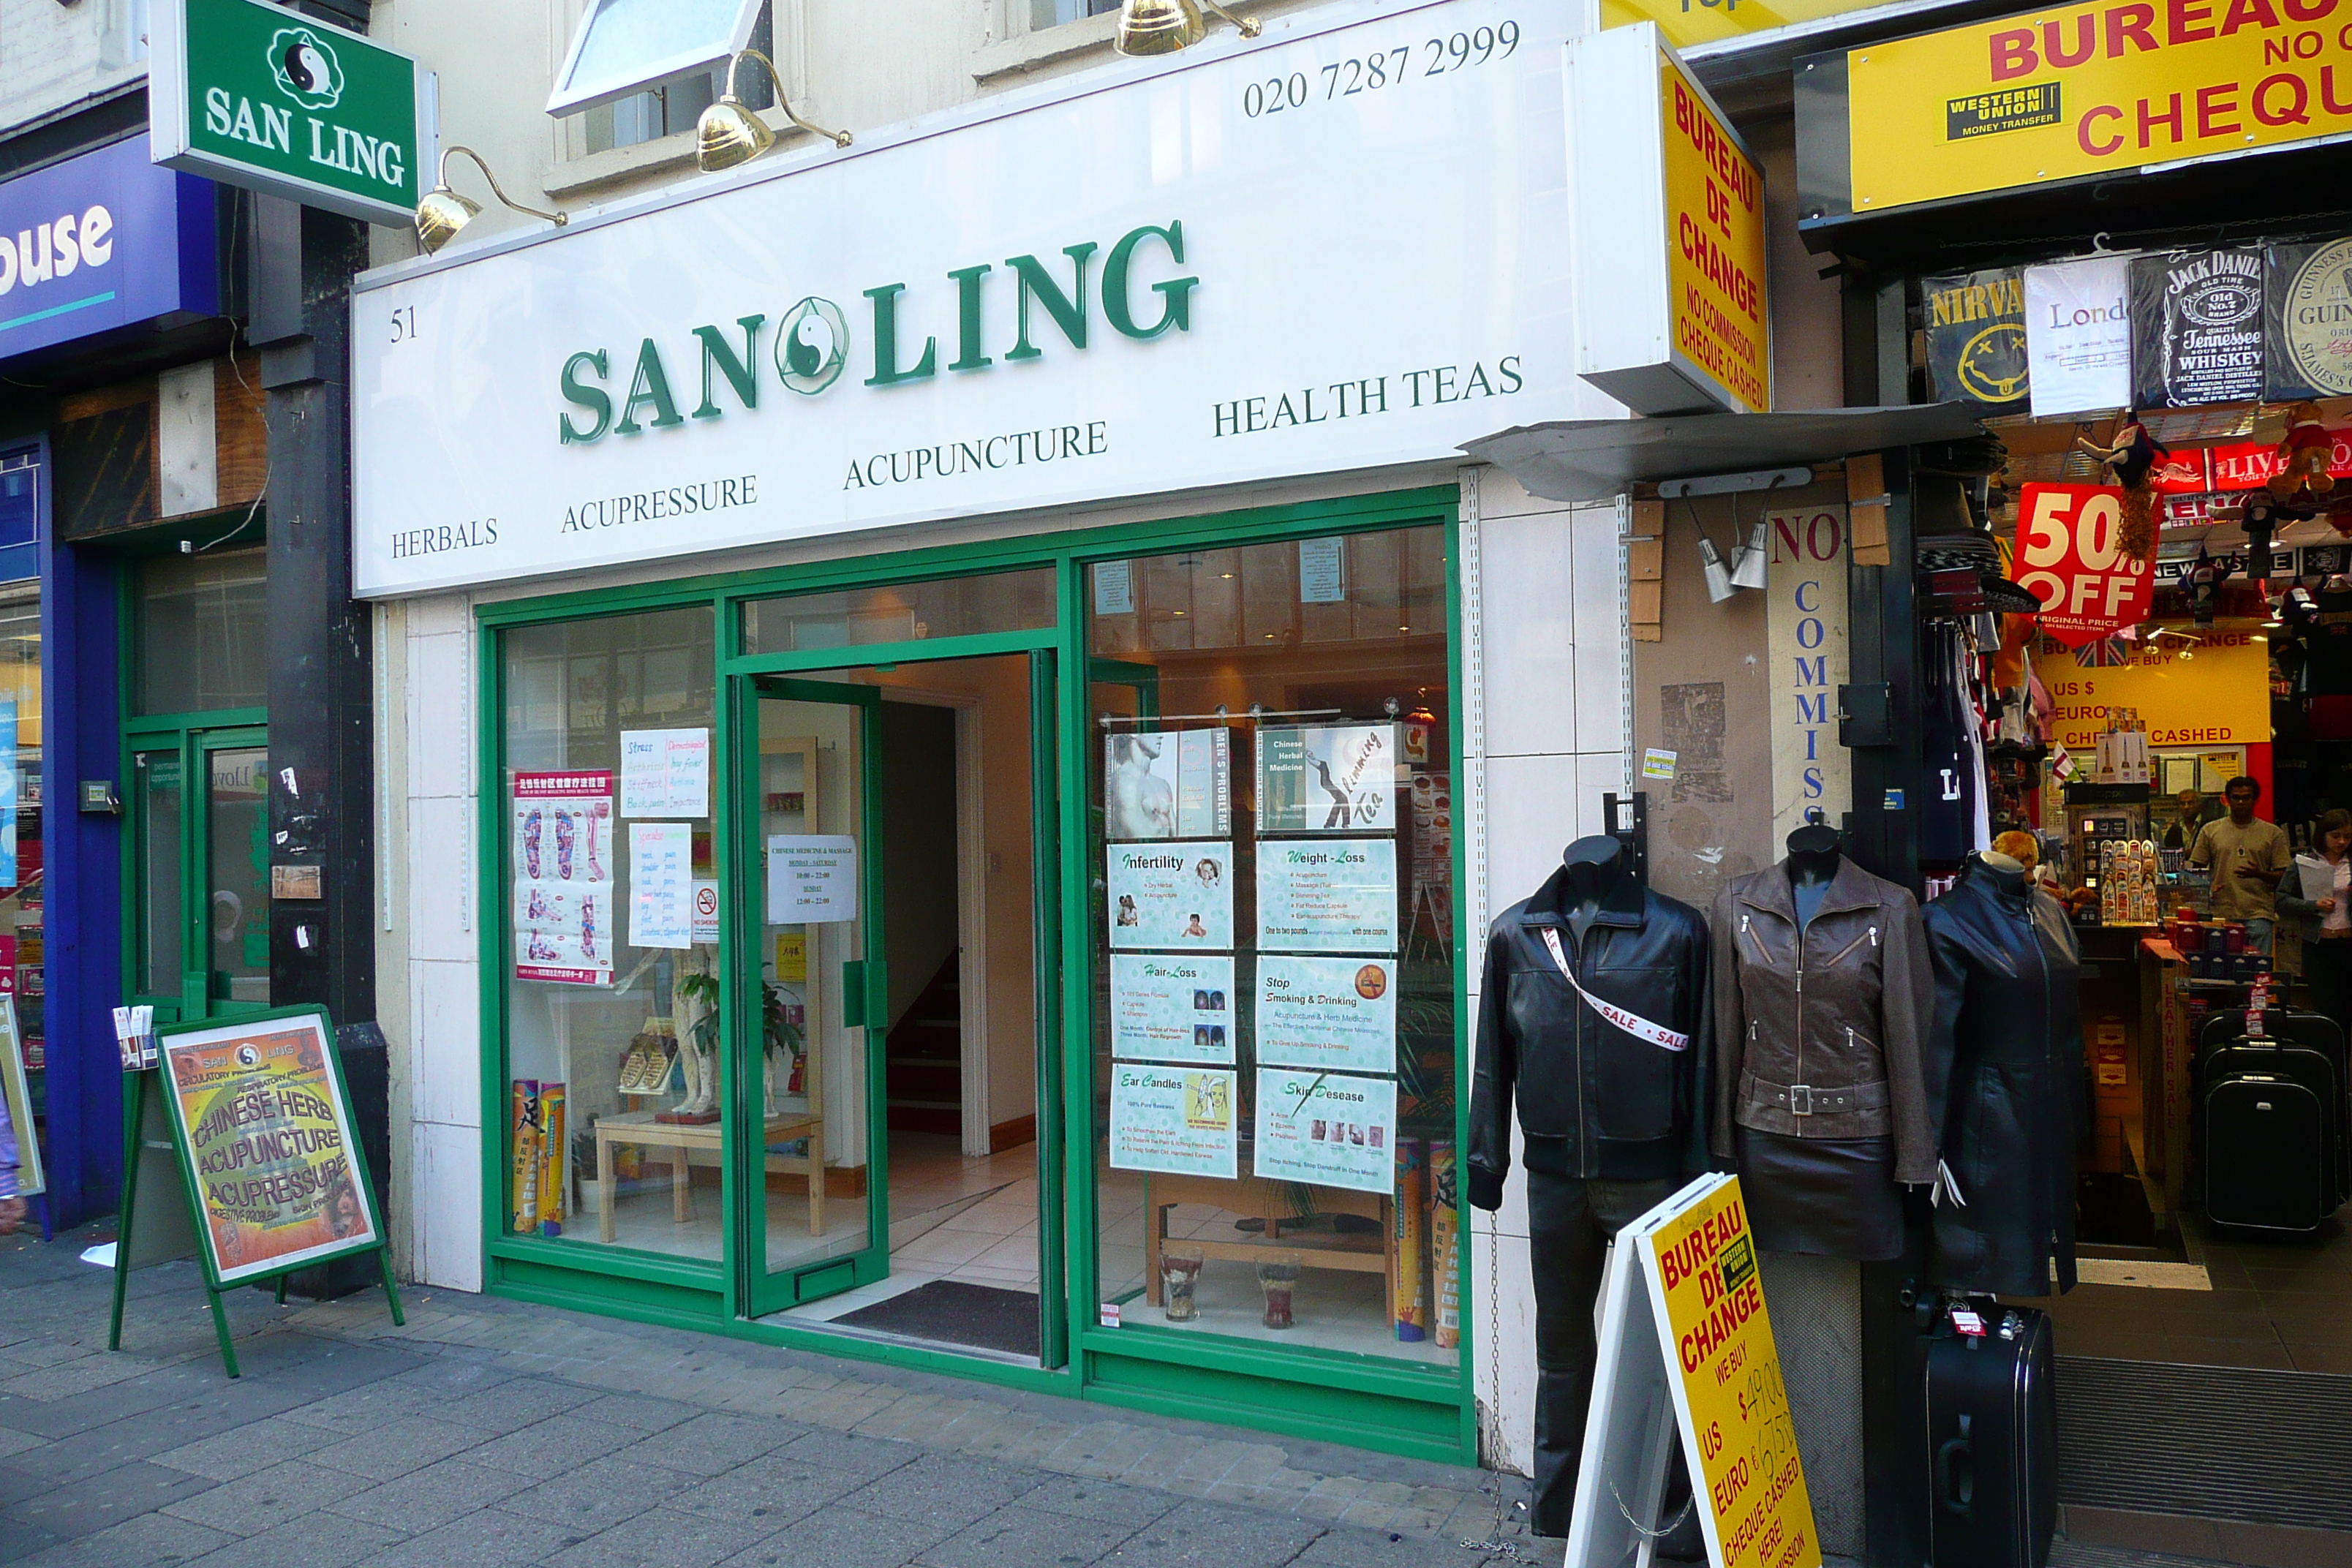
(564, 877)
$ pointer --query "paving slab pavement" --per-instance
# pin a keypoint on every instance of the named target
(488, 1432)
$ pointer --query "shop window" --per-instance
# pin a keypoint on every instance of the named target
(20, 474)
(648, 116)
(622, 46)
(1275, 1055)
(904, 612)
(202, 633)
(20, 814)
(610, 1022)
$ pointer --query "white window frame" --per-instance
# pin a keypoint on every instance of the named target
(570, 97)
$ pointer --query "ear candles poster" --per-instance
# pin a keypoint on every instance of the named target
(1181, 1121)
(564, 878)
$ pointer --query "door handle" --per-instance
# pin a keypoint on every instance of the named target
(865, 993)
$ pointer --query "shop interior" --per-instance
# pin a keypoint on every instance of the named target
(2235, 674)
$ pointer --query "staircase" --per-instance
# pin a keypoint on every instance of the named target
(923, 1066)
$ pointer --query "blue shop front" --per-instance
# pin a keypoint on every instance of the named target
(125, 445)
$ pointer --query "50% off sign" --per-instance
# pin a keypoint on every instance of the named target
(2070, 557)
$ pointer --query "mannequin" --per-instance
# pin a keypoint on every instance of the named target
(1823, 996)
(1593, 864)
(1813, 857)
(2005, 1074)
(1611, 1113)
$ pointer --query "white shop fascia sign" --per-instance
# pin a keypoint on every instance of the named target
(1342, 247)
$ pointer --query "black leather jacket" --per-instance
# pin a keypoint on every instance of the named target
(2005, 1083)
(1594, 1101)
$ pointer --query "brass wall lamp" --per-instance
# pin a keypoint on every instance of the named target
(1164, 26)
(727, 133)
(444, 212)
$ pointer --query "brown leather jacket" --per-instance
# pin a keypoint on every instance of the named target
(1832, 1047)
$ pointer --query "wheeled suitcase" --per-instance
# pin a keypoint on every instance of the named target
(1992, 1442)
(2298, 1064)
(2299, 1025)
(2267, 1163)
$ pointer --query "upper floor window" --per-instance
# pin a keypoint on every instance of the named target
(617, 38)
(1054, 13)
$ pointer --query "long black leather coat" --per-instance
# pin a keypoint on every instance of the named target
(2005, 1076)
(1594, 1101)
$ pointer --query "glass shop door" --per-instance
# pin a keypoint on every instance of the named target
(199, 811)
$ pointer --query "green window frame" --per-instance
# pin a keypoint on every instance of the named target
(1323, 1395)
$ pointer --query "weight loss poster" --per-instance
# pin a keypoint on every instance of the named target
(1329, 895)
(1178, 896)
(1329, 1129)
(1327, 1013)
(1179, 1120)
(1169, 1007)
(262, 1120)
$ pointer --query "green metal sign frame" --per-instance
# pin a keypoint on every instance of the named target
(254, 95)
(150, 1081)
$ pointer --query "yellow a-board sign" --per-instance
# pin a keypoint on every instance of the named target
(1686, 1358)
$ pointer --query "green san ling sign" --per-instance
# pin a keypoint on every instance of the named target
(811, 344)
(259, 96)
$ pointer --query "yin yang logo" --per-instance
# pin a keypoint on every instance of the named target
(811, 346)
(247, 1057)
(306, 67)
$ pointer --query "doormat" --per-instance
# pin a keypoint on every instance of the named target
(952, 1312)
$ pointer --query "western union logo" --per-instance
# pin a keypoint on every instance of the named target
(2011, 109)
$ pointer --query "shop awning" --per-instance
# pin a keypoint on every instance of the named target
(1594, 459)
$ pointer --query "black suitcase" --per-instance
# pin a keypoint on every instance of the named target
(1992, 1442)
(2316, 1071)
(2267, 1163)
(2299, 1025)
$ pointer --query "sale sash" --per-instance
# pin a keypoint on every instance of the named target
(1633, 1022)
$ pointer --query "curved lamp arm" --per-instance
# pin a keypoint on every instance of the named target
(838, 137)
(1247, 27)
(441, 181)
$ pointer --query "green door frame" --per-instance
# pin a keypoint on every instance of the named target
(864, 996)
(190, 738)
(1366, 1400)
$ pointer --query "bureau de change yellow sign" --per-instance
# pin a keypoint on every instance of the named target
(2209, 689)
(1701, 1266)
(2091, 90)
(1686, 1366)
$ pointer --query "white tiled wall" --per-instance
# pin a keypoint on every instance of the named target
(440, 924)
(1550, 686)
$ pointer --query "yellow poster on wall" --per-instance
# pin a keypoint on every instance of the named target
(1703, 1274)
(2208, 689)
(2091, 89)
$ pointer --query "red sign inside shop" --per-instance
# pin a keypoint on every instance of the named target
(2070, 557)
(2238, 466)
